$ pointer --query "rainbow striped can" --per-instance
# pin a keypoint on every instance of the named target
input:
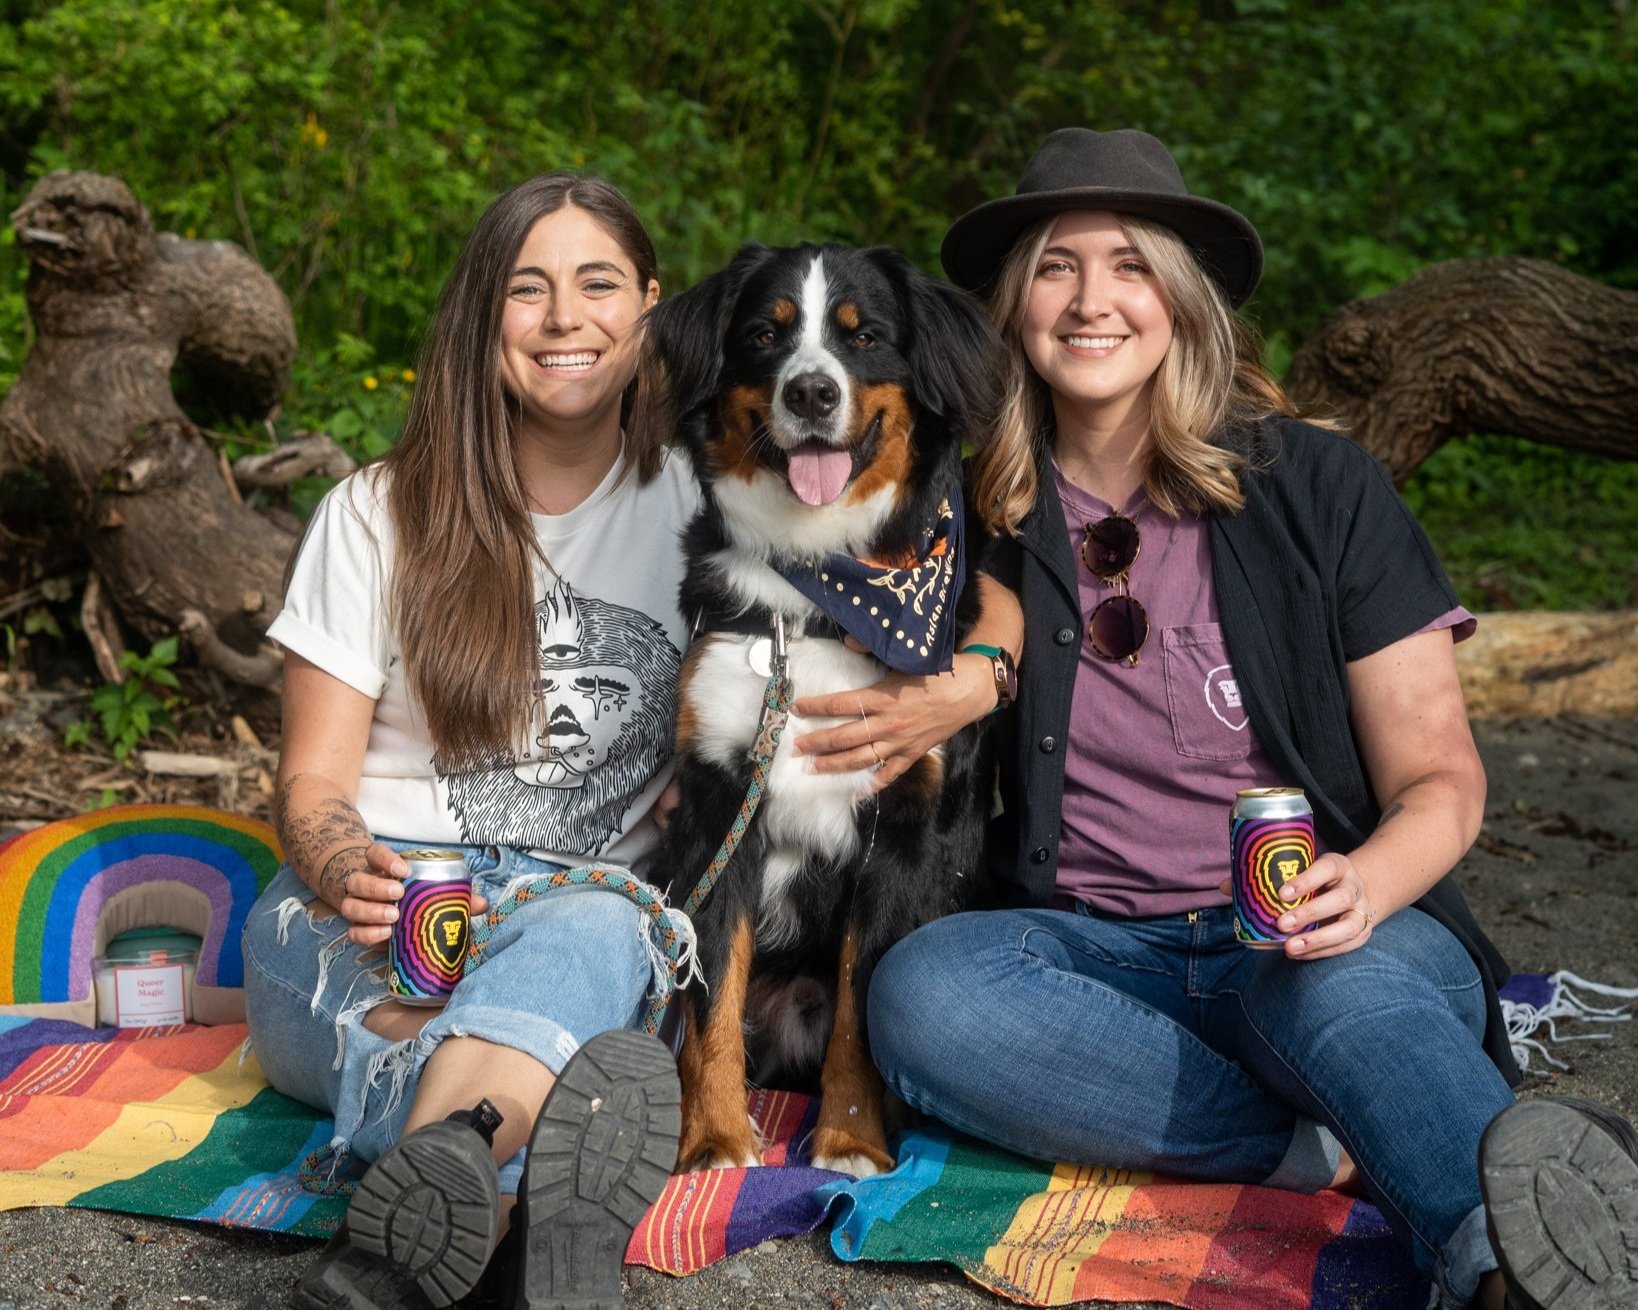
(1271, 841)
(427, 949)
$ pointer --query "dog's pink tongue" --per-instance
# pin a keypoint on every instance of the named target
(819, 472)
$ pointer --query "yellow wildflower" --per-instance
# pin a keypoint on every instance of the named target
(370, 384)
(409, 375)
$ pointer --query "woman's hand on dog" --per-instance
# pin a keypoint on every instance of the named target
(896, 721)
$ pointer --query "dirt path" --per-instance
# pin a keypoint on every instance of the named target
(1554, 879)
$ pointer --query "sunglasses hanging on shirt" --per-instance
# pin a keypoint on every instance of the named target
(1119, 625)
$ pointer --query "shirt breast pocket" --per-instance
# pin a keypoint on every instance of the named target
(1202, 695)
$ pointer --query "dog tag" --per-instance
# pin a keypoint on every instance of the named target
(760, 657)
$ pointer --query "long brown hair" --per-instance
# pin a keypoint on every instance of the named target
(462, 591)
(1210, 377)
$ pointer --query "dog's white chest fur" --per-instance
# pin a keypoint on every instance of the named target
(803, 810)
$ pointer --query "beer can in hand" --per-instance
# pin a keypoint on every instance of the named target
(427, 948)
(1271, 841)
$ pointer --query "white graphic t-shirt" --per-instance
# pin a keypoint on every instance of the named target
(609, 639)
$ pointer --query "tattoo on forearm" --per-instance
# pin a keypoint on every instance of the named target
(316, 838)
(281, 802)
(332, 878)
(1392, 812)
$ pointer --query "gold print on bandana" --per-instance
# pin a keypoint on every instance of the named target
(914, 584)
(899, 607)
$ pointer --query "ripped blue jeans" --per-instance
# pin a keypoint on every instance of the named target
(559, 969)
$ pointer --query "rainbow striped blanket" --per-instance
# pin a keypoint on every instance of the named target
(174, 1122)
(1049, 1236)
(178, 1122)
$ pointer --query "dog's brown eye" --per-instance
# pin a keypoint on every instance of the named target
(763, 339)
(863, 340)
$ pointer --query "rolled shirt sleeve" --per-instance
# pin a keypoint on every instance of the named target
(335, 607)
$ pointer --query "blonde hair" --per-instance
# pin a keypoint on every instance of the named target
(1209, 378)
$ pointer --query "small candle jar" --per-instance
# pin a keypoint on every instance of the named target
(144, 978)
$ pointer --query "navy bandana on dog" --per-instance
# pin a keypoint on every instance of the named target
(902, 611)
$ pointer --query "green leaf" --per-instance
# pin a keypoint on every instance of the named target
(345, 424)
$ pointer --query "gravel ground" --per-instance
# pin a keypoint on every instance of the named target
(1554, 879)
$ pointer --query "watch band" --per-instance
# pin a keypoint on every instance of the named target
(1001, 669)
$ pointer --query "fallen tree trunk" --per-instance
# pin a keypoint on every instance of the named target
(1533, 663)
(1514, 346)
(114, 308)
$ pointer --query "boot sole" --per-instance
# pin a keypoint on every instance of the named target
(350, 1287)
(1561, 1207)
(430, 1205)
(601, 1152)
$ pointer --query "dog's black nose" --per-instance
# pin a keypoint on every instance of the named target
(811, 395)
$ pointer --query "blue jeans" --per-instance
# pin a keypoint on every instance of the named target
(560, 969)
(1162, 1044)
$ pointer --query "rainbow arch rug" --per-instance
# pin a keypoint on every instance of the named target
(68, 887)
(175, 1122)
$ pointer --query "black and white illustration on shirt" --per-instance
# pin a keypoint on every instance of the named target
(599, 728)
(1223, 695)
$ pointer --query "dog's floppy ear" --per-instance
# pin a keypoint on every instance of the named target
(684, 333)
(954, 353)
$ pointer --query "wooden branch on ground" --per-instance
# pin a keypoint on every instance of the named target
(101, 626)
(175, 765)
(54, 588)
(262, 669)
(1515, 346)
(314, 453)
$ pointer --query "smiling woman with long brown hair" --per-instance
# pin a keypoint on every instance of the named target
(482, 642)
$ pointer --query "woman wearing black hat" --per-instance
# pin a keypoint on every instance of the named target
(1218, 596)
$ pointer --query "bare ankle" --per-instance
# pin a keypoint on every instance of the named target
(1347, 1179)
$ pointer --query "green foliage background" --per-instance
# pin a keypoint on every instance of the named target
(350, 145)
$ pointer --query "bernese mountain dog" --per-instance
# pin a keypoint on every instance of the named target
(824, 394)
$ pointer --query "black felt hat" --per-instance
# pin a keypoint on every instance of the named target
(1125, 172)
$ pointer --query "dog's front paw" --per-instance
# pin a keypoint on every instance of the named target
(860, 1166)
(848, 1154)
(727, 1147)
(724, 1160)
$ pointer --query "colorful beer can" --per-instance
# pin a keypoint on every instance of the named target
(427, 948)
(1271, 841)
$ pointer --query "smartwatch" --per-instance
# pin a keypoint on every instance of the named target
(1002, 668)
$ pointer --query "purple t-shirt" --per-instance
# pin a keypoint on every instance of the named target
(1157, 751)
